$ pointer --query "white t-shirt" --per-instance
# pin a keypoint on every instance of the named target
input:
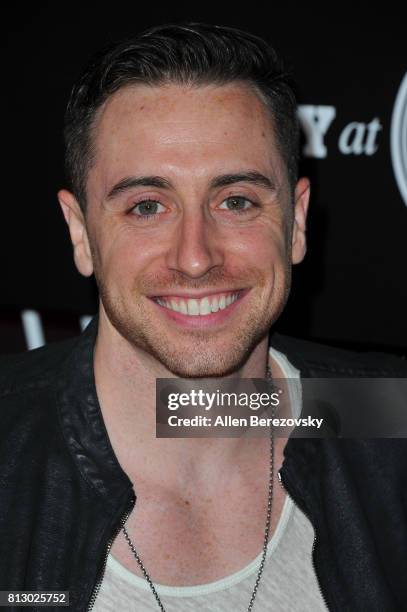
(288, 583)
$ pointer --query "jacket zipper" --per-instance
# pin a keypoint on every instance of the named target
(284, 486)
(99, 581)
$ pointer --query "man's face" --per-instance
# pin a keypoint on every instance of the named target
(190, 224)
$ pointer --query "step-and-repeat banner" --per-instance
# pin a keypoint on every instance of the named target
(351, 72)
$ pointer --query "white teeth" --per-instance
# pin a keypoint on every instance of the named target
(203, 306)
(193, 307)
(183, 307)
(174, 306)
(214, 305)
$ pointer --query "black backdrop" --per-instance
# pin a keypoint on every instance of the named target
(349, 65)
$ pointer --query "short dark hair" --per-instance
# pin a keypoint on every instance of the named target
(193, 53)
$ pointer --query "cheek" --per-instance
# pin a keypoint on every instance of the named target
(122, 253)
(264, 255)
(259, 246)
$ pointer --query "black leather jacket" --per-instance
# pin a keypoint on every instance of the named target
(64, 496)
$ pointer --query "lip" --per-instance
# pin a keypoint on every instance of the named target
(201, 321)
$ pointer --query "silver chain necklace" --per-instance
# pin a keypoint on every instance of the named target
(266, 530)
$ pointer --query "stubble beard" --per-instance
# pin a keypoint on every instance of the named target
(196, 353)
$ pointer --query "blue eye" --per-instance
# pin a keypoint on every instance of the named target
(147, 208)
(236, 204)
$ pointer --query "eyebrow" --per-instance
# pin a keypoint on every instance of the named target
(130, 182)
(252, 176)
(224, 180)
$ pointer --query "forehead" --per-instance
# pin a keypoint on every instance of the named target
(179, 131)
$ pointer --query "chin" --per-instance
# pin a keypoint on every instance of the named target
(201, 368)
(203, 357)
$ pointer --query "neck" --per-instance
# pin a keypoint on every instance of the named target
(125, 381)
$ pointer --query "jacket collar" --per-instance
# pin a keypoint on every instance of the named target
(82, 421)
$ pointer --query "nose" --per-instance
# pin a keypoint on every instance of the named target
(196, 247)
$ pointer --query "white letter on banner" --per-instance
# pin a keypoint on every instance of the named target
(371, 141)
(315, 121)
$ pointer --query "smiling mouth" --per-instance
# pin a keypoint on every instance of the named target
(203, 306)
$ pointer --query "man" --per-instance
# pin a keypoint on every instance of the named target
(185, 204)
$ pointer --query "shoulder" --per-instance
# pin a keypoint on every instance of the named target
(33, 369)
(28, 415)
(319, 360)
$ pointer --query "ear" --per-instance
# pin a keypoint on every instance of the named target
(77, 229)
(299, 243)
